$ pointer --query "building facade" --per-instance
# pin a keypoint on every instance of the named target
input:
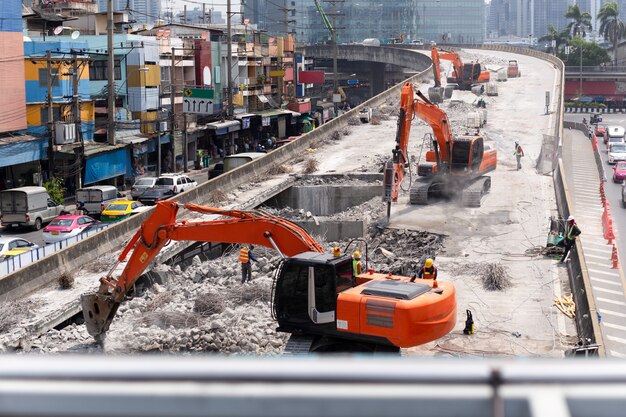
(526, 18)
(141, 11)
(12, 68)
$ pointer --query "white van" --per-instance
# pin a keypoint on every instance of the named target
(614, 134)
(28, 206)
(92, 200)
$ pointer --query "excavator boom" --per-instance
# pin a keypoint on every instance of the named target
(239, 227)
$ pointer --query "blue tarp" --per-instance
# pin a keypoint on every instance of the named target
(105, 165)
(22, 152)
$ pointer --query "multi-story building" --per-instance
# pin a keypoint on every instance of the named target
(19, 155)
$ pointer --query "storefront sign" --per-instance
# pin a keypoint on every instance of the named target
(245, 123)
(265, 121)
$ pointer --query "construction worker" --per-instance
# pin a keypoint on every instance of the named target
(245, 257)
(356, 263)
(519, 152)
(571, 232)
(428, 271)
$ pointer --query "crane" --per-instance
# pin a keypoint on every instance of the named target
(314, 293)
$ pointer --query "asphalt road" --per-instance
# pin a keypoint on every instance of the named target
(36, 236)
(613, 190)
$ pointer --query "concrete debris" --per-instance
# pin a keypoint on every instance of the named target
(493, 276)
(12, 312)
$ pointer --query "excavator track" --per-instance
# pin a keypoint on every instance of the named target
(473, 194)
(419, 192)
(298, 344)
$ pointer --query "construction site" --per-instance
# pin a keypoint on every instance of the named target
(492, 253)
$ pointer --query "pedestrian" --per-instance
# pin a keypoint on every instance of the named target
(571, 232)
(356, 263)
(519, 152)
(246, 258)
(428, 271)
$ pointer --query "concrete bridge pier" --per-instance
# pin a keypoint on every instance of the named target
(377, 84)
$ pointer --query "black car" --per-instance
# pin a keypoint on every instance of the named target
(217, 170)
(154, 194)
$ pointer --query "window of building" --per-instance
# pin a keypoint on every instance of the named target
(56, 114)
(43, 76)
(98, 70)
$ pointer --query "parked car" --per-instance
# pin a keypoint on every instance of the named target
(617, 152)
(624, 194)
(176, 182)
(67, 226)
(92, 200)
(285, 141)
(11, 246)
(155, 194)
(28, 206)
(120, 210)
(141, 185)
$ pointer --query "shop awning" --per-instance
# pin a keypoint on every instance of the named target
(132, 140)
(272, 113)
(293, 113)
(105, 165)
(222, 128)
(21, 149)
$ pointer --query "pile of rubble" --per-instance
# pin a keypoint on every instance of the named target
(205, 308)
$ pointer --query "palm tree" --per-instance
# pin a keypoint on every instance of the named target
(611, 26)
(581, 21)
(554, 35)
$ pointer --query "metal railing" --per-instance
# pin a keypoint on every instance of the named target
(16, 262)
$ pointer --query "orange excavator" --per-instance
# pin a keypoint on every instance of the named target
(466, 76)
(315, 294)
(454, 165)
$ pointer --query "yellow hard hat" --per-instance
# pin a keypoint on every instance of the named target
(428, 263)
(356, 254)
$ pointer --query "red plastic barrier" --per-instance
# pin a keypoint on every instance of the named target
(614, 258)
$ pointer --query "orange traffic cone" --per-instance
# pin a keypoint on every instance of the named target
(615, 258)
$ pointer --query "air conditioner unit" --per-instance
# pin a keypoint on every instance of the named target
(65, 133)
(163, 127)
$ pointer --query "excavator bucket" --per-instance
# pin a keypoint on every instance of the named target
(98, 312)
(435, 94)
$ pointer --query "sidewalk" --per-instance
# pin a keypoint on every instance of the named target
(607, 284)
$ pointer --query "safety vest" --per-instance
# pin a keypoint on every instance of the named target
(244, 258)
(429, 273)
(356, 267)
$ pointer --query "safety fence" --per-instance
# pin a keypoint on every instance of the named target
(14, 263)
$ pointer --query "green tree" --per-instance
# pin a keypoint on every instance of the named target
(55, 189)
(554, 35)
(581, 21)
(592, 53)
(611, 26)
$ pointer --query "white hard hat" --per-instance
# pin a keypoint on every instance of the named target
(517, 142)
(570, 218)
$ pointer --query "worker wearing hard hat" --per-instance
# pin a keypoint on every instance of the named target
(428, 271)
(571, 232)
(356, 263)
(519, 152)
(245, 257)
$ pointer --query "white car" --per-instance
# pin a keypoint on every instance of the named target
(11, 246)
(617, 152)
(176, 182)
(141, 185)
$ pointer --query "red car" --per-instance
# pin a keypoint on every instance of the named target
(619, 171)
(600, 129)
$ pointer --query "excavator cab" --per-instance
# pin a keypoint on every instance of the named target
(306, 289)
(467, 154)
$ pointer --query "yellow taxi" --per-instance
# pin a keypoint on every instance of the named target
(120, 210)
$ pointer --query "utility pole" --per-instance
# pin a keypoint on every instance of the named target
(77, 120)
(50, 117)
(185, 144)
(203, 13)
(229, 60)
(158, 132)
(173, 112)
(110, 75)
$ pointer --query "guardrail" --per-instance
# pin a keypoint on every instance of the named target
(17, 262)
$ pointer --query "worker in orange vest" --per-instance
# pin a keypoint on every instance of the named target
(356, 263)
(428, 271)
(245, 257)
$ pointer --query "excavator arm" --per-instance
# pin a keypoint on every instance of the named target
(457, 63)
(434, 56)
(257, 228)
(437, 119)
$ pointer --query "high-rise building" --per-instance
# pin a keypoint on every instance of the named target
(457, 20)
(526, 18)
(142, 11)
